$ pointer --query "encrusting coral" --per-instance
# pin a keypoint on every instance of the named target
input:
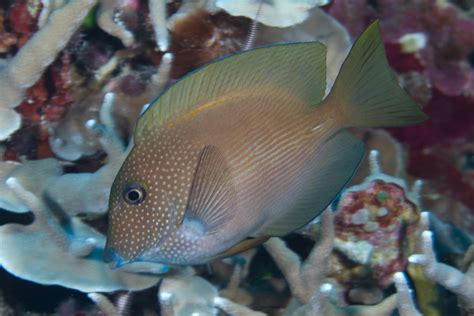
(373, 220)
(315, 292)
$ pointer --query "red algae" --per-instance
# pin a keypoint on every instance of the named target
(449, 38)
(440, 76)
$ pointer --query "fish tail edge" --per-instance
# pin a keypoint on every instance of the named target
(366, 90)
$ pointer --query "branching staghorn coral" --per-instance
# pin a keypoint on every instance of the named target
(320, 304)
(109, 21)
(65, 251)
(305, 278)
(234, 309)
(461, 284)
(110, 309)
(319, 297)
(405, 303)
(46, 178)
(184, 294)
(158, 18)
(23, 70)
(104, 304)
(77, 134)
(390, 157)
(8, 200)
(233, 291)
(161, 77)
(92, 189)
(74, 136)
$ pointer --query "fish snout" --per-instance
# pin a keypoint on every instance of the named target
(112, 257)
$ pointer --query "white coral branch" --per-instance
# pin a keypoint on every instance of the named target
(158, 19)
(109, 21)
(320, 304)
(405, 303)
(160, 79)
(39, 52)
(104, 304)
(451, 278)
(305, 278)
(232, 308)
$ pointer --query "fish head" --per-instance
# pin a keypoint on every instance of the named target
(145, 206)
(154, 215)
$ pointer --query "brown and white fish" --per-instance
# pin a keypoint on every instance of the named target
(245, 148)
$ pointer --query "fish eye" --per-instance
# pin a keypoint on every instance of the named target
(134, 194)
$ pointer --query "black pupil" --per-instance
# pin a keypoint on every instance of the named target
(133, 195)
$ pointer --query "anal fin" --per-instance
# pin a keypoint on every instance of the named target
(242, 246)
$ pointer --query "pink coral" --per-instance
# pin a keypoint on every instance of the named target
(375, 228)
(444, 59)
(380, 214)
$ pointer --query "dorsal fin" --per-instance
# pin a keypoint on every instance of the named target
(299, 68)
(334, 165)
(212, 196)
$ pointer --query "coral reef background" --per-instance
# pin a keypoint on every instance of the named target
(74, 76)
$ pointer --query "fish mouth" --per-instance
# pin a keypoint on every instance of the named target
(114, 260)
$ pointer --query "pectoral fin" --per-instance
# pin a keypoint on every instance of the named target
(212, 195)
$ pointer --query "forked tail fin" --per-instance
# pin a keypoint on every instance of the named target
(366, 90)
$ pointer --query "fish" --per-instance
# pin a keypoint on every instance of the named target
(247, 147)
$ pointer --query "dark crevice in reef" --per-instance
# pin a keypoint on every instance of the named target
(7, 217)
